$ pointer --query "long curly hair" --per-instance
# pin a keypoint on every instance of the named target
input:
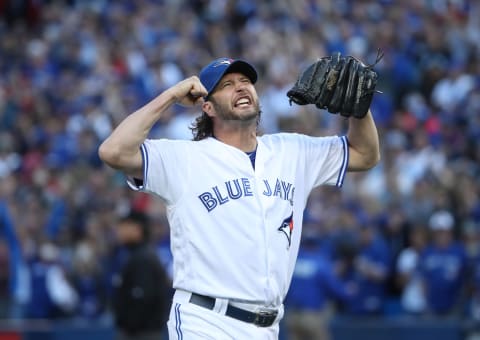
(202, 127)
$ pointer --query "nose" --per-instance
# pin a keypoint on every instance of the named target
(240, 86)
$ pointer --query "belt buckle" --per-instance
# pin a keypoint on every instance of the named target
(265, 318)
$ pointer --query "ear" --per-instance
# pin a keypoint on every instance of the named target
(208, 108)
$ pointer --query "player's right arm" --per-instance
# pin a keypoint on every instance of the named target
(121, 150)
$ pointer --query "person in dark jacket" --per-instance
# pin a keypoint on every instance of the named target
(140, 298)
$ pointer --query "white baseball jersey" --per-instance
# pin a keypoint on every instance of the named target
(235, 230)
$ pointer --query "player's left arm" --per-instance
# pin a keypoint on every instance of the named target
(363, 143)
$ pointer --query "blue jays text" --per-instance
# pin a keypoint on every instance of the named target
(241, 187)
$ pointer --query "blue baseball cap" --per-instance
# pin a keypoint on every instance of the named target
(211, 74)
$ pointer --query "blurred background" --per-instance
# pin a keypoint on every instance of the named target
(394, 254)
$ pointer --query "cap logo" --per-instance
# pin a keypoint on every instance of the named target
(223, 62)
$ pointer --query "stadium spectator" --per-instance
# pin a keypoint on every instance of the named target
(140, 301)
(407, 273)
(369, 273)
(315, 287)
(51, 296)
(443, 267)
(89, 282)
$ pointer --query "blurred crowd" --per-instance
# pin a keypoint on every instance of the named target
(403, 238)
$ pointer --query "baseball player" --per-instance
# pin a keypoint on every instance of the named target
(234, 200)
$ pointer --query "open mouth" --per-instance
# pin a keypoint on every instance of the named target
(243, 102)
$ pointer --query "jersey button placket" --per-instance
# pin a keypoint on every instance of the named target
(259, 197)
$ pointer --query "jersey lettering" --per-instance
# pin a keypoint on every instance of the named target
(238, 193)
(283, 189)
(233, 189)
(208, 201)
(220, 199)
(247, 189)
(241, 187)
(278, 189)
(286, 189)
(268, 190)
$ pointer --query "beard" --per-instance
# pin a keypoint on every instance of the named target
(226, 114)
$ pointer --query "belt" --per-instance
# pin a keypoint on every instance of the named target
(262, 318)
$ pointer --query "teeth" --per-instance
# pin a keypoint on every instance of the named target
(243, 101)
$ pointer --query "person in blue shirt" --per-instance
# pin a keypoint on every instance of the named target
(473, 306)
(443, 266)
(17, 266)
(369, 273)
(87, 278)
(407, 276)
(315, 285)
(52, 295)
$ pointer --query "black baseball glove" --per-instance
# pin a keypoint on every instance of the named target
(338, 84)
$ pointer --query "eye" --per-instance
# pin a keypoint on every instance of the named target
(245, 80)
(226, 84)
